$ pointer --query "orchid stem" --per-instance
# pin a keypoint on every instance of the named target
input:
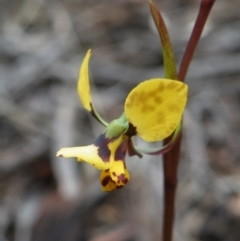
(205, 8)
(171, 159)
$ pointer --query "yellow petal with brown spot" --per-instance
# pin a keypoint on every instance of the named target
(119, 173)
(115, 177)
(106, 181)
(83, 83)
(88, 154)
(155, 107)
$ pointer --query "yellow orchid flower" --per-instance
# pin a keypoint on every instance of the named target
(152, 110)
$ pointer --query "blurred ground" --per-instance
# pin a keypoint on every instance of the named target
(42, 197)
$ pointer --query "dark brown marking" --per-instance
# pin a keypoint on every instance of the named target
(125, 181)
(103, 150)
(132, 130)
(60, 155)
(121, 152)
(106, 180)
(122, 178)
(114, 174)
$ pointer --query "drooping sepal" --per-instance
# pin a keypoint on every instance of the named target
(84, 91)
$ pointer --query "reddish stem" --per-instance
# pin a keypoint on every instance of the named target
(171, 158)
(205, 8)
(170, 166)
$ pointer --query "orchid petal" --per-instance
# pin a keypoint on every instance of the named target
(84, 89)
(155, 107)
(88, 154)
(106, 181)
(100, 154)
(165, 148)
(115, 177)
(119, 173)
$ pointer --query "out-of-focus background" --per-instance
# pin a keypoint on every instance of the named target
(44, 198)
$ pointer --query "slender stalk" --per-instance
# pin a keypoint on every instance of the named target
(171, 158)
(205, 8)
(170, 167)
